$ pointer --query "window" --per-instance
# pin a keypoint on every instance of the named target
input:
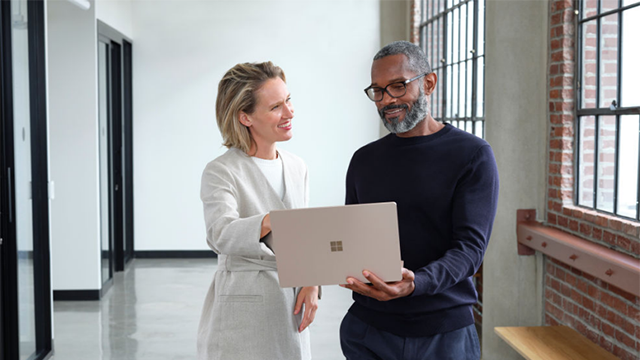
(608, 106)
(452, 36)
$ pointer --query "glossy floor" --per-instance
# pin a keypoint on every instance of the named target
(152, 312)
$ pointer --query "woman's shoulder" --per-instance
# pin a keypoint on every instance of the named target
(229, 162)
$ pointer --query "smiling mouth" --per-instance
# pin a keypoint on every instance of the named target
(285, 125)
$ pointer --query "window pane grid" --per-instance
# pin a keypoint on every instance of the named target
(454, 44)
(608, 129)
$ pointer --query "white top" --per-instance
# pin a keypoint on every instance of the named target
(273, 171)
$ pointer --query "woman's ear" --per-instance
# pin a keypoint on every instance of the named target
(244, 119)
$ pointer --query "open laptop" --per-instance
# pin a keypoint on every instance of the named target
(322, 246)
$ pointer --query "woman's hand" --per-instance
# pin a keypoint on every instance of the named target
(266, 226)
(309, 297)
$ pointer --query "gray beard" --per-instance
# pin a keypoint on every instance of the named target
(419, 111)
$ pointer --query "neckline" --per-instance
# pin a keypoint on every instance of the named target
(420, 139)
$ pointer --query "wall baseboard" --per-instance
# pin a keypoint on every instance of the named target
(76, 295)
(175, 254)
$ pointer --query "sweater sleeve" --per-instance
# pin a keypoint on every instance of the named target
(227, 233)
(474, 207)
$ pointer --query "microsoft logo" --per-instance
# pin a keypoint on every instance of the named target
(336, 246)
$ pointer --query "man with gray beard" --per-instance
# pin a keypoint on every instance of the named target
(445, 184)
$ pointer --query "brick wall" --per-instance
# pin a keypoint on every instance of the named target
(603, 313)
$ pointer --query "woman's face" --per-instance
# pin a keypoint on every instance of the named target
(271, 120)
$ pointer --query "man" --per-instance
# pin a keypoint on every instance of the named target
(445, 183)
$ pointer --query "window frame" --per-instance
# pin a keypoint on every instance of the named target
(431, 13)
(597, 112)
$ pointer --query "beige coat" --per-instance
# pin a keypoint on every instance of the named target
(246, 315)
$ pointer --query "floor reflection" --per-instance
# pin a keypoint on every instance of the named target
(152, 312)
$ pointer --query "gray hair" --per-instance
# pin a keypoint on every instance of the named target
(417, 60)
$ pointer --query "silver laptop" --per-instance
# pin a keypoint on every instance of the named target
(322, 246)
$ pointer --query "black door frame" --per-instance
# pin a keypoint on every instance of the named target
(40, 183)
(121, 147)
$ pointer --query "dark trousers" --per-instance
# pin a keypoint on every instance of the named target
(360, 341)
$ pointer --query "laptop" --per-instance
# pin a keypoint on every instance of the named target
(324, 245)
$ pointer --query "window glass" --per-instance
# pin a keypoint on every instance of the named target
(587, 148)
(628, 166)
(606, 162)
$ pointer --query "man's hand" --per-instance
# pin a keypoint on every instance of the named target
(381, 290)
(309, 297)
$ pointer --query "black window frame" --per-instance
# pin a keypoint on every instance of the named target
(598, 111)
(441, 61)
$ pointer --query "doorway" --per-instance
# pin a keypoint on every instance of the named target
(116, 143)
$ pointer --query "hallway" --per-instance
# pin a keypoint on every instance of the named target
(152, 312)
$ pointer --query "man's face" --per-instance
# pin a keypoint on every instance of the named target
(401, 114)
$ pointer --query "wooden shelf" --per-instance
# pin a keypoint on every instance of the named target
(609, 265)
(551, 343)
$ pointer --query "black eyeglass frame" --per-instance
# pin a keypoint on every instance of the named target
(384, 90)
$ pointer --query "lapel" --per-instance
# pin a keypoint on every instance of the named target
(287, 202)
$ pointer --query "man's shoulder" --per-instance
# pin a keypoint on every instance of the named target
(466, 139)
(373, 146)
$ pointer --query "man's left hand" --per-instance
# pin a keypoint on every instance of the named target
(381, 290)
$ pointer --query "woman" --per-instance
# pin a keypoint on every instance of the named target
(246, 314)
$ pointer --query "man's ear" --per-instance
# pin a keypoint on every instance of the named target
(430, 81)
(244, 119)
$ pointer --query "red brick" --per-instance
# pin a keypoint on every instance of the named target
(577, 213)
(630, 229)
(623, 294)
(585, 229)
(614, 303)
(575, 296)
(570, 279)
(588, 304)
(554, 169)
(594, 293)
(567, 211)
(566, 290)
(602, 220)
(597, 233)
(615, 224)
(573, 225)
(583, 286)
(623, 354)
(563, 221)
(551, 218)
(625, 339)
(625, 324)
(634, 314)
(560, 274)
(608, 329)
(550, 270)
(609, 238)
(623, 242)
(605, 344)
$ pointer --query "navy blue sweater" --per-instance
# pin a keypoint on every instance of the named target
(446, 188)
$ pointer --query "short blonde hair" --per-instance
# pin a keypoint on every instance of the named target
(236, 93)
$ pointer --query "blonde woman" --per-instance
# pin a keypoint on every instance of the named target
(246, 314)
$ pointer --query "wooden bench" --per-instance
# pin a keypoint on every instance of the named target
(551, 343)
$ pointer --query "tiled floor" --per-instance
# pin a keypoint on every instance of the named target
(152, 313)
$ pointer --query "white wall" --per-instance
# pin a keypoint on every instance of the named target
(182, 49)
(117, 14)
(75, 251)
(516, 128)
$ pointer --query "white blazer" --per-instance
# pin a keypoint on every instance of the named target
(246, 315)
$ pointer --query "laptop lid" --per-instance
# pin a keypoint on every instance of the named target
(324, 245)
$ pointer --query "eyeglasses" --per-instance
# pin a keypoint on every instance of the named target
(395, 90)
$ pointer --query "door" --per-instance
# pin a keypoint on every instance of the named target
(116, 143)
(25, 300)
(106, 194)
